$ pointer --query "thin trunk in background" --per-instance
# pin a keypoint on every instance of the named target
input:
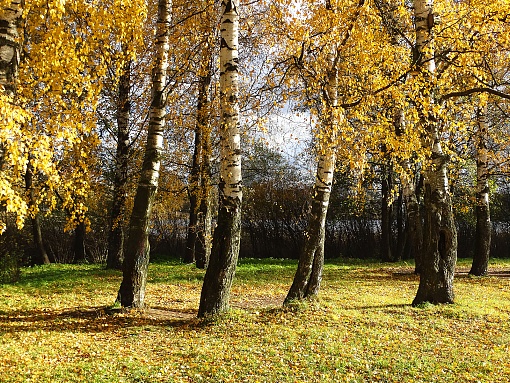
(42, 255)
(115, 256)
(196, 190)
(136, 257)
(204, 218)
(410, 242)
(198, 239)
(227, 235)
(401, 240)
(79, 249)
(386, 213)
(414, 224)
(483, 220)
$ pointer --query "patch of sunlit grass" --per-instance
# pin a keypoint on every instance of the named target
(58, 325)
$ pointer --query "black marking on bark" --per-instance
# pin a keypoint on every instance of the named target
(430, 20)
(230, 6)
(229, 67)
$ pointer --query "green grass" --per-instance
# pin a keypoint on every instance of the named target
(58, 324)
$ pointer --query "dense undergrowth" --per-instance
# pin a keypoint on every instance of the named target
(59, 324)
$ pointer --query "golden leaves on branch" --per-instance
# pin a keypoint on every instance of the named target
(68, 49)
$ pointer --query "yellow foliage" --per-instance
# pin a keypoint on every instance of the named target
(66, 51)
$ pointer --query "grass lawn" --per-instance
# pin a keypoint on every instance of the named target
(58, 325)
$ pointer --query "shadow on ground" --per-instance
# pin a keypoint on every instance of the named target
(91, 319)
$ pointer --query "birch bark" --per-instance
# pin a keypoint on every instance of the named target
(308, 277)
(227, 235)
(136, 262)
(439, 231)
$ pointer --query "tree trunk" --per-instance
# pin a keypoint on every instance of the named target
(191, 235)
(401, 239)
(204, 215)
(115, 256)
(308, 275)
(198, 238)
(42, 255)
(414, 224)
(195, 184)
(227, 235)
(136, 262)
(10, 19)
(439, 239)
(204, 235)
(483, 221)
(79, 250)
(439, 231)
(386, 214)
(199, 228)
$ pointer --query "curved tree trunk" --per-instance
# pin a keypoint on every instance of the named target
(115, 256)
(227, 235)
(308, 275)
(439, 231)
(483, 221)
(136, 262)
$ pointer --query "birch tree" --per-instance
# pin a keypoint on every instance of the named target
(440, 236)
(132, 288)
(333, 44)
(308, 276)
(227, 235)
(10, 17)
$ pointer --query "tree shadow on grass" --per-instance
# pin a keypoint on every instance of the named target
(409, 275)
(391, 307)
(91, 319)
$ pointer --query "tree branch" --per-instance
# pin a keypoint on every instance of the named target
(468, 92)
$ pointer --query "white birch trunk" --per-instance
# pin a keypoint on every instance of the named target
(227, 235)
(132, 289)
(230, 137)
(440, 236)
(308, 277)
(10, 19)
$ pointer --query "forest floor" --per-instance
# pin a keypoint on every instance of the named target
(59, 324)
